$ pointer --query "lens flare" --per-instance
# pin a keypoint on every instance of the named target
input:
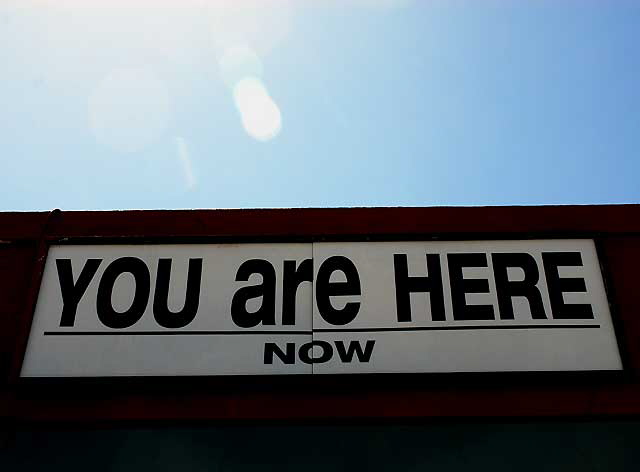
(237, 63)
(260, 115)
(261, 24)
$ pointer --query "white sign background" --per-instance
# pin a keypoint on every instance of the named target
(212, 344)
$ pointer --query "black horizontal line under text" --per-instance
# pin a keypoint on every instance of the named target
(321, 330)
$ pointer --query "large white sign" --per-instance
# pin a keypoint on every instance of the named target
(321, 308)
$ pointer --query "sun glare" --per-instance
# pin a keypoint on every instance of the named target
(117, 52)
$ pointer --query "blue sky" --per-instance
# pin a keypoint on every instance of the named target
(237, 104)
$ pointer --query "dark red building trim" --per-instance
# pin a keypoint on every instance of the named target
(24, 239)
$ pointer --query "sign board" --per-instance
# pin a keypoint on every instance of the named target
(321, 308)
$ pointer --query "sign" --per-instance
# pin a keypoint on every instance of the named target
(321, 308)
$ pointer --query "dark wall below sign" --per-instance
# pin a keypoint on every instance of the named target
(525, 447)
